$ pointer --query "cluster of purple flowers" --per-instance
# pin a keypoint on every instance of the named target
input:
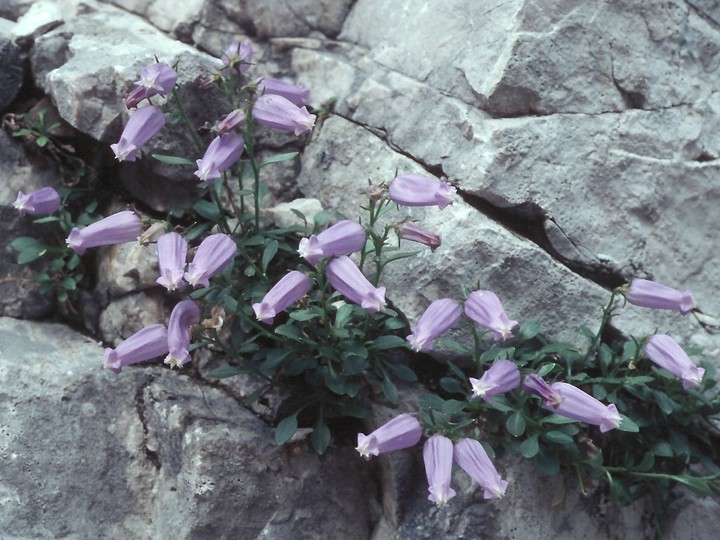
(439, 452)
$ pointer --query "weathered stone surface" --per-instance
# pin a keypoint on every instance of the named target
(150, 454)
(128, 267)
(165, 14)
(128, 314)
(11, 66)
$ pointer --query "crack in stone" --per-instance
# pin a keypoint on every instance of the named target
(700, 13)
(151, 455)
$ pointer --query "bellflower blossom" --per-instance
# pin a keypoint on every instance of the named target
(666, 353)
(343, 238)
(484, 308)
(414, 233)
(415, 190)
(502, 377)
(438, 458)
(213, 254)
(223, 152)
(238, 56)
(280, 113)
(403, 431)
(141, 127)
(155, 79)
(473, 459)
(230, 122)
(43, 201)
(172, 251)
(293, 286)
(437, 319)
(536, 385)
(115, 229)
(299, 95)
(646, 293)
(183, 316)
(153, 232)
(148, 343)
(348, 280)
(581, 406)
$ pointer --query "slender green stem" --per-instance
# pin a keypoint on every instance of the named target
(184, 119)
(607, 313)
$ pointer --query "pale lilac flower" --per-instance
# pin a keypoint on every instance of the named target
(502, 377)
(230, 122)
(116, 229)
(293, 286)
(415, 190)
(438, 458)
(536, 385)
(183, 316)
(280, 113)
(238, 56)
(645, 293)
(155, 79)
(299, 95)
(581, 406)
(43, 201)
(213, 254)
(403, 431)
(343, 238)
(142, 125)
(148, 343)
(473, 459)
(484, 308)
(348, 280)
(414, 233)
(666, 353)
(437, 319)
(222, 153)
(172, 251)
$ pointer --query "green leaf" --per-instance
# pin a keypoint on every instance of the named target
(403, 372)
(172, 160)
(47, 219)
(450, 384)
(277, 159)
(696, 484)
(208, 210)
(558, 437)
(546, 368)
(305, 315)
(343, 315)
(453, 406)
(288, 330)
(516, 424)
(268, 254)
(628, 425)
(390, 342)
(274, 358)
(224, 372)
(529, 448)
(286, 429)
(646, 464)
(21, 243)
(320, 437)
(30, 255)
(557, 419)
(390, 390)
(354, 365)
(528, 330)
(662, 449)
(395, 324)
(666, 404)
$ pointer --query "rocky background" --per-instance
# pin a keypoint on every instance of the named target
(583, 139)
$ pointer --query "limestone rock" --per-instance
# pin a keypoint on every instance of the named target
(11, 65)
(124, 316)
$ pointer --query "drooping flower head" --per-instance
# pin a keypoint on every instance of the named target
(581, 406)
(115, 229)
(155, 79)
(238, 56)
(415, 190)
(280, 113)
(414, 233)
(230, 122)
(148, 343)
(222, 153)
(172, 253)
(143, 124)
(502, 377)
(153, 232)
(293, 286)
(484, 308)
(473, 459)
(183, 316)
(438, 458)
(348, 280)
(43, 201)
(299, 95)
(437, 319)
(403, 431)
(666, 353)
(343, 238)
(213, 254)
(649, 294)
(536, 385)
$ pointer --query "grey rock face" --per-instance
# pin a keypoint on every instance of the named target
(11, 70)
